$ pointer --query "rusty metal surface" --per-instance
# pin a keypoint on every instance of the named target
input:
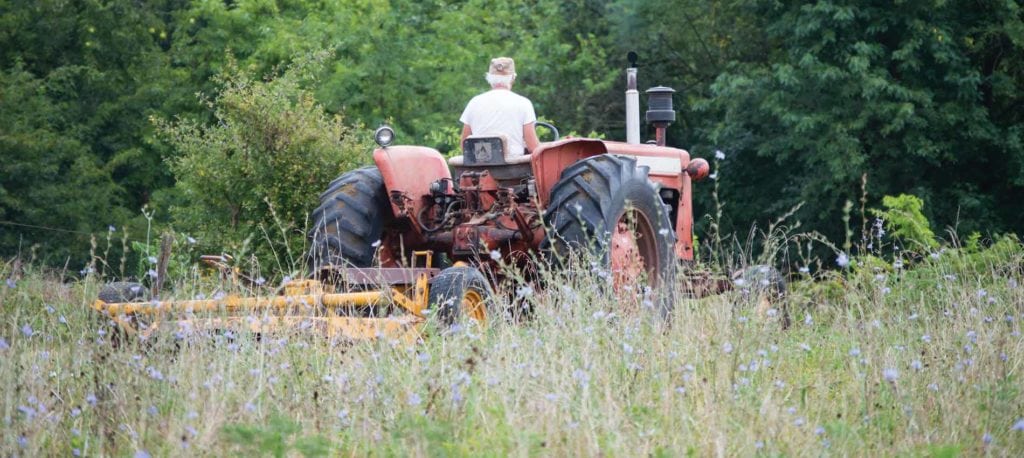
(551, 158)
(698, 169)
(481, 213)
(684, 220)
(408, 171)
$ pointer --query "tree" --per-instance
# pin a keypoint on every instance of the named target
(79, 80)
(52, 187)
(916, 95)
(248, 181)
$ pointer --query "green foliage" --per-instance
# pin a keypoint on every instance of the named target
(973, 242)
(904, 218)
(257, 172)
(942, 450)
(49, 179)
(804, 99)
(276, 439)
(77, 81)
(183, 254)
(918, 95)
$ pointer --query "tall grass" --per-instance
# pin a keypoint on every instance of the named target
(920, 360)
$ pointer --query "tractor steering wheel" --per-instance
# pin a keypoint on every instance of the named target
(551, 128)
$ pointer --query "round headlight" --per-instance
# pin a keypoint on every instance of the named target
(384, 135)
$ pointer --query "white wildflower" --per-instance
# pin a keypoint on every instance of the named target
(890, 374)
(843, 260)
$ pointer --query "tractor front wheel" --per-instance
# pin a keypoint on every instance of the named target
(460, 292)
(607, 207)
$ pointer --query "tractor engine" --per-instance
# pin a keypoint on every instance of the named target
(478, 215)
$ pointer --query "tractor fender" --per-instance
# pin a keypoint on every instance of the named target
(551, 159)
(408, 172)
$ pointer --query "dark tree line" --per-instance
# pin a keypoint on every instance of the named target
(806, 99)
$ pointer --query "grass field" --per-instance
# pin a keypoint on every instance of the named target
(922, 360)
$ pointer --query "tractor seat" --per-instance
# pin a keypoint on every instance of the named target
(480, 153)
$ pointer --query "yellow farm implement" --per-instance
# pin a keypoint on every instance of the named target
(346, 303)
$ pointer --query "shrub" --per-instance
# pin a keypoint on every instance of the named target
(904, 217)
(246, 183)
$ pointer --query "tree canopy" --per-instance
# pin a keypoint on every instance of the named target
(806, 99)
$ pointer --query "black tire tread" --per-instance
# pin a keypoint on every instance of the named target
(447, 288)
(123, 291)
(576, 227)
(349, 220)
(580, 209)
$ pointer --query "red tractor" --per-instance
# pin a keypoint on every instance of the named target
(627, 203)
(378, 230)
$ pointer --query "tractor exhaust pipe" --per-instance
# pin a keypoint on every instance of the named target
(632, 102)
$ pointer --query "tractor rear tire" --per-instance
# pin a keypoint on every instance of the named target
(348, 224)
(588, 213)
(459, 292)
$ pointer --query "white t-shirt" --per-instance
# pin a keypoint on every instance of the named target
(500, 111)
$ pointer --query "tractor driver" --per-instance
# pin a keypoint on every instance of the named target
(501, 111)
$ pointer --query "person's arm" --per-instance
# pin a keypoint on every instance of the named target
(466, 132)
(530, 136)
